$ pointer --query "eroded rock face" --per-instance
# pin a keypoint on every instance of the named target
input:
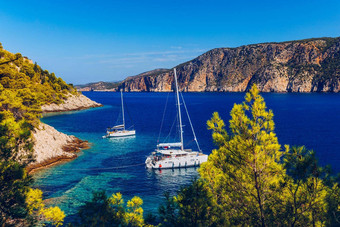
(297, 66)
(49, 143)
(52, 146)
(73, 102)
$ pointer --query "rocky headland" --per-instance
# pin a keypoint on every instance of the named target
(51, 146)
(311, 65)
(73, 102)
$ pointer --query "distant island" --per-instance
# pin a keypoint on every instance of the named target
(309, 65)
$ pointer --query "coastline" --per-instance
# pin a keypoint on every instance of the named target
(71, 149)
(52, 147)
(72, 103)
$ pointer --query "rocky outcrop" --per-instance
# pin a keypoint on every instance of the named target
(73, 102)
(113, 86)
(52, 146)
(311, 65)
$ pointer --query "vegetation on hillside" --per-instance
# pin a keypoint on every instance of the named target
(40, 86)
(24, 88)
(249, 180)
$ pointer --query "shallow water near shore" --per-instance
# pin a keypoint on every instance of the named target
(117, 165)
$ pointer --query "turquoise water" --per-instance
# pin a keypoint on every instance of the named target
(117, 165)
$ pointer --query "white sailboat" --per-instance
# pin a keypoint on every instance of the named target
(119, 130)
(173, 155)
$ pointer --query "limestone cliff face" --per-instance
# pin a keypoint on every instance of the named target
(298, 66)
(73, 102)
(52, 146)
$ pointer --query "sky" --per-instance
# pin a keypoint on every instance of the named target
(88, 41)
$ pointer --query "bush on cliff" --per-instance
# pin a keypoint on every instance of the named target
(24, 87)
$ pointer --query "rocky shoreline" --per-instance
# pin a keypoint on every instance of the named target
(52, 147)
(73, 102)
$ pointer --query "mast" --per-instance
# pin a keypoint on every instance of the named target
(121, 97)
(179, 111)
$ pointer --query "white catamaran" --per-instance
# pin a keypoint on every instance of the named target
(173, 155)
(119, 130)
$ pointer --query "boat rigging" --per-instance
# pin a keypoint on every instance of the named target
(174, 155)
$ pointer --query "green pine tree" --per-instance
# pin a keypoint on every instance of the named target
(244, 173)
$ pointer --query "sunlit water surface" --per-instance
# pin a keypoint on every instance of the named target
(117, 165)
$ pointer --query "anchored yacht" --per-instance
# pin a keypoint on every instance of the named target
(120, 130)
(173, 155)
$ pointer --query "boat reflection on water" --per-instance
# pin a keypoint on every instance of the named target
(121, 139)
(169, 179)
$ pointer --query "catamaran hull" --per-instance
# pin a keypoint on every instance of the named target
(120, 134)
(176, 162)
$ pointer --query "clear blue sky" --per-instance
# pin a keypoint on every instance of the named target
(86, 41)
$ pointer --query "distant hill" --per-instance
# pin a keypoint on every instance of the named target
(112, 86)
(98, 86)
(309, 65)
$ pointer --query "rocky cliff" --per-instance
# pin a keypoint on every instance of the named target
(73, 102)
(311, 65)
(51, 147)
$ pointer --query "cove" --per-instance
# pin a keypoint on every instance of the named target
(117, 165)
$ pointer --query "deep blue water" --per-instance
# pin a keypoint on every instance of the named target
(116, 165)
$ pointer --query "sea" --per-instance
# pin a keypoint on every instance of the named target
(117, 164)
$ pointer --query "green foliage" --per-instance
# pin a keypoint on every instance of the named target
(36, 207)
(330, 67)
(196, 205)
(15, 154)
(18, 73)
(244, 172)
(333, 203)
(104, 211)
(305, 194)
(254, 182)
(193, 206)
(169, 211)
(98, 212)
(14, 184)
(24, 88)
(54, 215)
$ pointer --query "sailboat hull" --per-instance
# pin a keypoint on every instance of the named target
(119, 130)
(173, 155)
(191, 160)
(120, 134)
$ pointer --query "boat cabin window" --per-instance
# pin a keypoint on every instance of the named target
(168, 148)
